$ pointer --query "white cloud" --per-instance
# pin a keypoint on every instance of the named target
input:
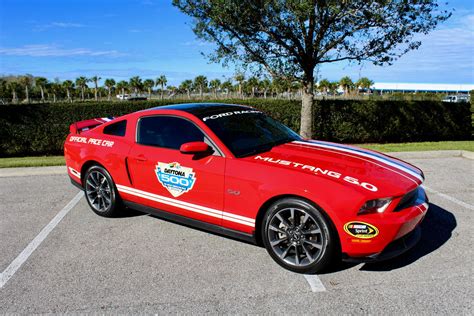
(60, 25)
(196, 43)
(44, 50)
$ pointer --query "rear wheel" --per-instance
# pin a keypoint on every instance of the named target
(100, 191)
(298, 236)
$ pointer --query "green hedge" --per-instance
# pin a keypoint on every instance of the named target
(40, 129)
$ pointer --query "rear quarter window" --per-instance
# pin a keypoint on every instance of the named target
(116, 129)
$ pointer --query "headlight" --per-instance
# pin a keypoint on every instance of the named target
(375, 206)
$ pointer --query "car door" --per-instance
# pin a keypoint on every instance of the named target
(164, 178)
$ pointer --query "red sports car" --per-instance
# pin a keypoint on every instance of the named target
(235, 171)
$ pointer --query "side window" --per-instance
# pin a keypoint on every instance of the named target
(167, 132)
(116, 129)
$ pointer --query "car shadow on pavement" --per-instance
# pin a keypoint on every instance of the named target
(436, 229)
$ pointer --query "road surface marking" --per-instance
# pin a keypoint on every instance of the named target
(315, 283)
(450, 198)
(23, 256)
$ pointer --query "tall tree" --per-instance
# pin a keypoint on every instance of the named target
(240, 78)
(215, 84)
(81, 83)
(68, 86)
(161, 81)
(122, 85)
(55, 88)
(26, 81)
(253, 85)
(266, 85)
(109, 84)
(41, 82)
(364, 83)
(136, 84)
(227, 87)
(95, 80)
(14, 86)
(324, 85)
(200, 83)
(186, 86)
(149, 84)
(346, 84)
(291, 38)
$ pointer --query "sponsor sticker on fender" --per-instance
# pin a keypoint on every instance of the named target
(361, 230)
(175, 178)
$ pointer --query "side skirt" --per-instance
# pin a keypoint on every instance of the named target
(249, 238)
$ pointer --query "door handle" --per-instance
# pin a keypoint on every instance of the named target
(141, 158)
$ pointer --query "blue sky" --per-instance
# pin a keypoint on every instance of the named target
(119, 39)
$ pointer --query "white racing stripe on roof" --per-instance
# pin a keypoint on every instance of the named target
(188, 206)
(384, 160)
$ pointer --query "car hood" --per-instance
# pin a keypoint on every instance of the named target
(365, 170)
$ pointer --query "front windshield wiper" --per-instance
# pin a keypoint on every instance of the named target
(265, 147)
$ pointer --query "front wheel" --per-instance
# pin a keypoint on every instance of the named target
(298, 236)
(100, 191)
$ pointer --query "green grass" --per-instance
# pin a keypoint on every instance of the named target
(422, 146)
(32, 161)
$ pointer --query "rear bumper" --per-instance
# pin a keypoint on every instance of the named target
(394, 249)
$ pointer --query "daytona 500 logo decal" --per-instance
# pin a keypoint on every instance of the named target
(175, 178)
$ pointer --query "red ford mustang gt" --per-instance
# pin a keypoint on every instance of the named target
(233, 170)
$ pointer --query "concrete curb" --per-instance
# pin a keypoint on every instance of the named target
(31, 171)
(432, 154)
(37, 171)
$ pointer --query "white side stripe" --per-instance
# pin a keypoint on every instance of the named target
(358, 153)
(188, 206)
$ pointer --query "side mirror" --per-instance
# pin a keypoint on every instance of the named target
(195, 148)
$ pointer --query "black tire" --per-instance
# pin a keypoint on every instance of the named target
(101, 192)
(298, 236)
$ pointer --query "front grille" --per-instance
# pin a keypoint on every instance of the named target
(408, 200)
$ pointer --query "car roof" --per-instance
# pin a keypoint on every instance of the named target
(202, 109)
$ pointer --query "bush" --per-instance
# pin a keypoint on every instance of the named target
(40, 129)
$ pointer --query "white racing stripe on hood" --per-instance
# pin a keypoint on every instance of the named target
(356, 152)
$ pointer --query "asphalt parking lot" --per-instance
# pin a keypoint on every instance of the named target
(139, 263)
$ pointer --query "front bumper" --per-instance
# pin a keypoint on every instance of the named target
(398, 232)
(394, 249)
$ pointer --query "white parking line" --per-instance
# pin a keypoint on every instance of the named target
(450, 198)
(315, 283)
(23, 256)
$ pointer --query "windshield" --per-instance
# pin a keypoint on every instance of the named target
(250, 133)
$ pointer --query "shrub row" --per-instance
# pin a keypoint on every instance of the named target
(40, 129)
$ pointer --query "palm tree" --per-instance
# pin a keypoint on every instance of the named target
(149, 84)
(25, 81)
(227, 86)
(122, 85)
(346, 84)
(41, 83)
(253, 84)
(161, 81)
(81, 83)
(186, 85)
(136, 83)
(324, 86)
(172, 91)
(240, 78)
(14, 86)
(266, 84)
(364, 83)
(200, 82)
(95, 80)
(55, 88)
(334, 85)
(215, 85)
(68, 85)
(109, 83)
